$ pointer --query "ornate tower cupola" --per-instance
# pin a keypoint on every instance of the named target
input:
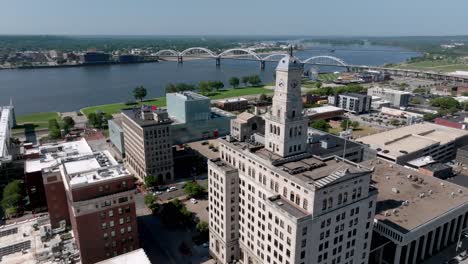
(285, 126)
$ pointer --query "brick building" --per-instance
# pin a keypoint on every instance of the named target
(94, 194)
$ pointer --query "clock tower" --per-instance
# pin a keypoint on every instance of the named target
(285, 126)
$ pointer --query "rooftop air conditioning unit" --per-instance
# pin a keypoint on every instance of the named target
(387, 213)
(430, 191)
(395, 190)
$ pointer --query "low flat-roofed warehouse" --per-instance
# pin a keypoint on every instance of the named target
(416, 215)
(406, 143)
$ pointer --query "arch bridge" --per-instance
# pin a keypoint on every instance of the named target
(246, 54)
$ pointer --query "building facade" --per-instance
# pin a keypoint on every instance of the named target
(116, 134)
(352, 102)
(97, 193)
(278, 203)
(236, 104)
(147, 141)
(395, 97)
(245, 125)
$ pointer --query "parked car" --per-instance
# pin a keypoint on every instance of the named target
(171, 189)
(205, 245)
(193, 200)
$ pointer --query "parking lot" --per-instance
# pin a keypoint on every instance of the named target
(200, 209)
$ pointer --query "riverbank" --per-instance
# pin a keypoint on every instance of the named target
(40, 120)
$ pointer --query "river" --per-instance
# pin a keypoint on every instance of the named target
(69, 89)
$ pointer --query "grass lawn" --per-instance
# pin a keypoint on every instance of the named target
(34, 121)
(327, 77)
(161, 101)
(444, 66)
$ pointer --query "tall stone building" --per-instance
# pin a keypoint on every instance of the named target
(147, 141)
(277, 202)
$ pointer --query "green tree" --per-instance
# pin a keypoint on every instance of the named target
(205, 87)
(193, 189)
(415, 100)
(345, 124)
(12, 198)
(321, 125)
(216, 85)
(54, 129)
(150, 181)
(94, 120)
(234, 82)
(445, 103)
(318, 84)
(203, 230)
(354, 124)
(245, 80)
(394, 122)
(263, 98)
(139, 93)
(464, 93)
(255, 80)
(149, 200)
(68, 120)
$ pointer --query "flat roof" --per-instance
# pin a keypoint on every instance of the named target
(135, 115)
(21, 242)
(232, 100)
(90, 168)
(188, 96)
(335, 143)
(388, 90)
(401, 141)
(312, 171)
(137, 256)
(287, 207)
(50, 153)
(321, 110)
(417, 198)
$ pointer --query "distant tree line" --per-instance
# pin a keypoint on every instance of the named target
(350, 88)
(206, 87)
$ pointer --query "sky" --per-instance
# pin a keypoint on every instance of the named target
(235, 17)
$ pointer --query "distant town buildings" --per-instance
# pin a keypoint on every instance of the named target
(95, 57)
(234, 104)
(351, 102)
(401, 145)
(323, 112)
(394, 97)
(277, 202)
(148, 143)
(459, 121)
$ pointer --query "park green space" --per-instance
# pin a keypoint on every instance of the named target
(438, 65)
(161, 101)
(327, 77)
(34, 121)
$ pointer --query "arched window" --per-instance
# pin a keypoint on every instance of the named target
(345, 197)
(340, 198)
(294, 113)
(271, 128)
(305, 204)
(330, 202)
(254, 126)
(300, 130)
(290, 132)
(324, 204)
(278, 131)
(295, 131)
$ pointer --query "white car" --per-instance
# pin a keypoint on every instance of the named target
(171, 189)
(157, 193)
(193, 200)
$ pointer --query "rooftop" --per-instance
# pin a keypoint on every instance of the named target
(334, 143)
(90, 168)
(245, 116)
(137, 256)
(357, 95)
(135, 114)
(306, 169)
(230, 100)
(408, 199)
(321, 110)
(401, 141)
(50, 153)
(33, 241)
(188, 96)
(287, 207)
(387, 90)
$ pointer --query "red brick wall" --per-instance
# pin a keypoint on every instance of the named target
(90, 234)
(110, 187)
(57, 201)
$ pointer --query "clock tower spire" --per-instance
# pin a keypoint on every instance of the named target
(285, 126)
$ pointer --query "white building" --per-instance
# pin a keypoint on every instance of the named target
(277, 203)
(416, 216)
(395, 97)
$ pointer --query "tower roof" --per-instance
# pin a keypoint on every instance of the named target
(289, 62)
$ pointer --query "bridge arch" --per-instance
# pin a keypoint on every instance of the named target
(274, 55)
(205, 50)
(172, 52)
(326, 60)
(253, 54)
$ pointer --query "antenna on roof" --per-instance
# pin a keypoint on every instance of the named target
(291, 50)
